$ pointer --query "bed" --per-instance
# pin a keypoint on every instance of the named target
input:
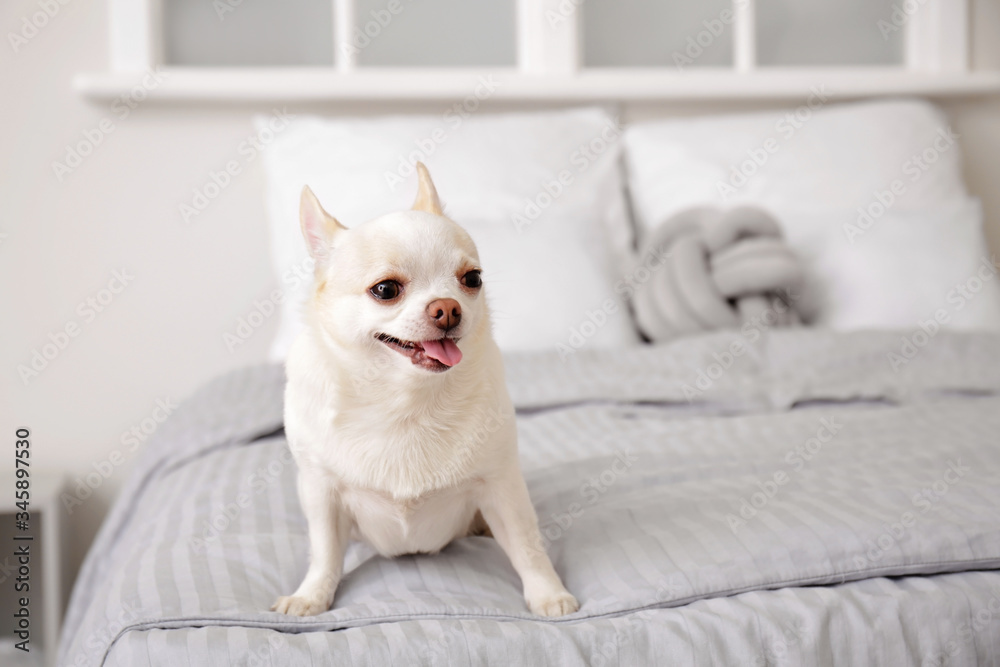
(821, 495)
(812, 506)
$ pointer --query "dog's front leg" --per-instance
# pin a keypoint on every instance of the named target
(329, 532)
(508, 511)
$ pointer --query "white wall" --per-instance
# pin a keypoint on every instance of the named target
(161, 336)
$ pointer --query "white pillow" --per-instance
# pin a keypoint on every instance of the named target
(904, 269)
(829, 157)
(814, 168)
(545, 245)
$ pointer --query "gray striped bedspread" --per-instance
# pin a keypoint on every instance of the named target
(798, 498)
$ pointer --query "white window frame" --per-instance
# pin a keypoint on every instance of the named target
(936, 63)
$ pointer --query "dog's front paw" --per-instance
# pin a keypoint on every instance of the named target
(558, 603)
(298, 605)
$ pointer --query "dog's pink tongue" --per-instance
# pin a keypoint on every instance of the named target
(444, 350)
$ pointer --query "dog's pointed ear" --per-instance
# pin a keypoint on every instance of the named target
(318, 227)
(427, 196)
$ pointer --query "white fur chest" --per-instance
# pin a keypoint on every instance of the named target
(421, 525)
(404, 459)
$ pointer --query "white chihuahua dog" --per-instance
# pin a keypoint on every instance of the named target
(396, 409)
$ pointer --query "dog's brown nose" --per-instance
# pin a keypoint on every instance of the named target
(446, 313)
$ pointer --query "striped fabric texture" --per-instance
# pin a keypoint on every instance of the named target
(800, 498)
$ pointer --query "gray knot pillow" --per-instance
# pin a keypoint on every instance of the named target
(718, 269)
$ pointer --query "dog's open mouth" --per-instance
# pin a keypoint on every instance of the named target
(434, 355)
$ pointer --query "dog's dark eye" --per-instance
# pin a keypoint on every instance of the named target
(386, 290)
(472, 279)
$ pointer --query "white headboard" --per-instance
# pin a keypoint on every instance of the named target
(927, 46)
